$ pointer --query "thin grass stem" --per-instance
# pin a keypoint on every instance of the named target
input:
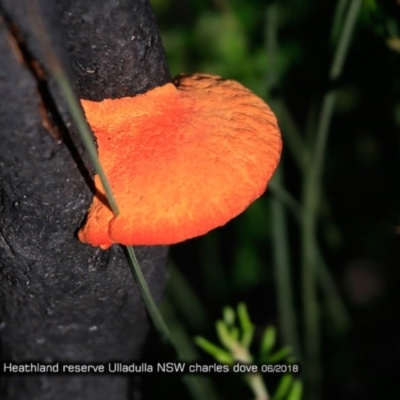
(282, 265)
(73, 104)
(311, 201)
(75, 110)
(283, 273)
(291, 133)
(338, 19)
(284, 197)
(330, 98)
(199, 387)
(151, 306)
(334, 302)
(84, 132)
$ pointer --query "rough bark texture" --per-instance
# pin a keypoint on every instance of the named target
(61, 300)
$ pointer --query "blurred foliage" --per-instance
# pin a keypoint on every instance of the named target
(224, 40)
(236, 332)
(359, 213)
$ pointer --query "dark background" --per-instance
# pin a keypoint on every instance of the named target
(358, 218)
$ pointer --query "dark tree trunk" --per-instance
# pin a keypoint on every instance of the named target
(61, 300)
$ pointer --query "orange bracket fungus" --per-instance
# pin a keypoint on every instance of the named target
(181, 159)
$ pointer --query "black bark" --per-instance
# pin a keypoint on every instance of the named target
(61, 300)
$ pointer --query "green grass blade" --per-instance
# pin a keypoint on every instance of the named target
(200, 387)
(72, 103)
(282, 270)
(76, 112)
(311, 202)
(79, 119)
(151, 306)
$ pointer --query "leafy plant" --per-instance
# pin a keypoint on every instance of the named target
(236, 334)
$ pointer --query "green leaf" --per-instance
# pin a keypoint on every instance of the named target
(297, 390)
(224, 335)
(234, 333)
(268, 341)
(280, 355)
(244, 317)
(246, 325)
(283, 387)
(228, 314)
(221, 355)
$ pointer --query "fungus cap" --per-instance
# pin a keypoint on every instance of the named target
(182, 159)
